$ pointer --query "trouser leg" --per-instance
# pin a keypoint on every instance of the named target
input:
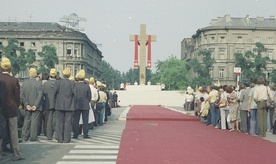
(14, 136)
(85, 115)
(26, 126)
(35, 118)
(67, 126)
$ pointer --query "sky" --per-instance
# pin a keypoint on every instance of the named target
(110, 22)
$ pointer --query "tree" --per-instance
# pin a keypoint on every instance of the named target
(202, 69)
(49, 60)
(131, 76)
(172, 72)
(252, 64)
(20, 59)
(110, 76)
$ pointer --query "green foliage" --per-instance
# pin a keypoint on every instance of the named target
(112, 77)
(50, 58)
(252, 65)
(20, 59)
(131, 76)
(201, 68)
(172, 72)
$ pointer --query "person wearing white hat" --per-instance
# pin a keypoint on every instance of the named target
(32, 98)
(82, 100)
(64, 106)
(9, 106)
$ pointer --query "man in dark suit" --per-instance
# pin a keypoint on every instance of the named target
(49, 102)
(10, 106)
(32, 99)
(64, 105)
(83, 97)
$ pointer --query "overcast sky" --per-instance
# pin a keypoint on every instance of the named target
(110, 22)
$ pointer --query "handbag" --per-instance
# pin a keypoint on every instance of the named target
(270, 103)
(223, 104)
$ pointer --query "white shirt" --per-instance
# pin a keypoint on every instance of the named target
(261, 93)
(94, 93)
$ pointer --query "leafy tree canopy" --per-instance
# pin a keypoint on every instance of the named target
(20, 59)
(49, 60)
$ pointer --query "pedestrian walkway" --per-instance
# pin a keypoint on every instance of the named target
(104, 145)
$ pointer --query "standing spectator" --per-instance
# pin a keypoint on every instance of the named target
(107, 108)
(65, 105)
(49, 103)
(10, 95)
(252, 109)
(42, 123)
(197, 101)
(32, 96)
(274, 110)
(115, 99)
(261, 94)
(223, 107)
(83, 98)
(189, 100)
(234, 116)
(100, 105)
(214, 112)
(244, 113)
(94, 96)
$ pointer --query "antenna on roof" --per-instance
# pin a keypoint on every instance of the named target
(73, 21)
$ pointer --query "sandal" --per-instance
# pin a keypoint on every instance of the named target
(231, 130)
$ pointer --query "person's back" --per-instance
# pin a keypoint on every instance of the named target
(83, 96)
(10, 100)
(32, 93)
(64, 90)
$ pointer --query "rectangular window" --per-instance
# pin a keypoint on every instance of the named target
(205, 40)
(239, 39)
(222, 54)
(222, 39)
(221, 73)
(239, 51)
(22, 74)
(270, 39)
(69, 52)
(212, 39)
(21, 44)
(257, 39)
(0, 43)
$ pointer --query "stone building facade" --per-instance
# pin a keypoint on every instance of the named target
(226, 36)
(74, 49)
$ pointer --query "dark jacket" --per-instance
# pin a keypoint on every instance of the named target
(64, 93)
(49, 94)
(10, 95)
(32, 93)
(83, 96)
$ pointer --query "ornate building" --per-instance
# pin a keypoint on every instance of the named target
(73, 48)
(226, 36)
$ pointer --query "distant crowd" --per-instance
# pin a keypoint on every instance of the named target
(248, 108)
(49, 105)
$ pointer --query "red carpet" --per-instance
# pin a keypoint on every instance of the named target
(160, 139)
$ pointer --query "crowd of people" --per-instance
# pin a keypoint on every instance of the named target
(50, 105)
(244, 108)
